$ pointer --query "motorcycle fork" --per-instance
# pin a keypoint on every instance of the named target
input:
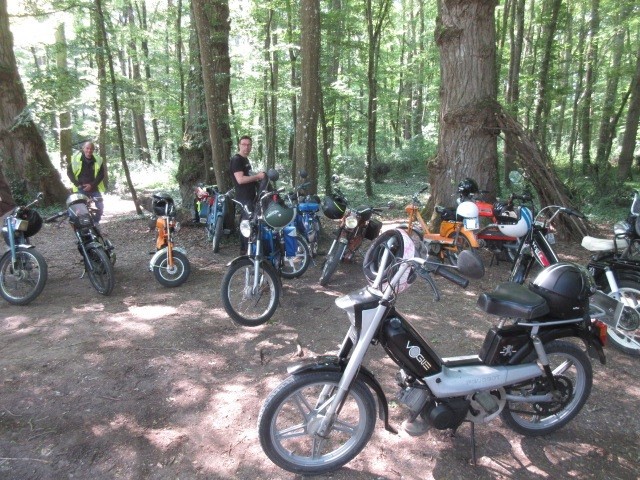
(164, 239)
(544, 359)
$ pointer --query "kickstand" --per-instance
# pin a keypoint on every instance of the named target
(473, 444)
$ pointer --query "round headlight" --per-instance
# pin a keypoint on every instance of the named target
(245, 228)
(351, 221)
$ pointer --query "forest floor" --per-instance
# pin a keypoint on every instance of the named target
(157, 383)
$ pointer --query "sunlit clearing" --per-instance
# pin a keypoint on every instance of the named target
(165, 439)
(13, 323)
(152, 312)
(125, 322)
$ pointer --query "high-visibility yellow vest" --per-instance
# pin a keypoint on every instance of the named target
(76, 166)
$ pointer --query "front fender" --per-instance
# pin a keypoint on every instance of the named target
(337, 365)
(159, 253)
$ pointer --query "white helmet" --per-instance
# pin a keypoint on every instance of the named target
(516, 222)
(401, 246)
(467, 210)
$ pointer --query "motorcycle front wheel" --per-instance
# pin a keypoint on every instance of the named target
(331, 263)
(100, 271)
(172, 277)
(573, 376)
(248, 300)
(23, 282)
(624, 340)
(290, 417)
(217, 235)
(296, 265)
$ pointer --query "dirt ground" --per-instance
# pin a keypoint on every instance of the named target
(157, 383)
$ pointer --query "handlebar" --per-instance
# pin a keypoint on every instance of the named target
(55, 216)
(443, 271)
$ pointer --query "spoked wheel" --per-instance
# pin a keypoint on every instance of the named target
(172, 276)
(292, 415)
(627, 341)
(250, 299)
(331, 263)
(101, 271)
(217, 235)
(296, 265)
(573, 377)
(22, 282)
(451, 252)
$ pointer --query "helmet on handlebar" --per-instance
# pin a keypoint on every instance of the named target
(467, 187)
(566, 287)
(278, 215)
(163, 205)
(514, 221)
(401, 246)
(34, 221)
(333, 206)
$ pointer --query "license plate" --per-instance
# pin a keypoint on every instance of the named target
(471, 223)
(551, 238)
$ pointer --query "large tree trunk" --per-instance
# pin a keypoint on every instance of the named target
(23, 153)
(631, 126)
(306, 146)
(212, 26)
(467, 144)
(589, 83)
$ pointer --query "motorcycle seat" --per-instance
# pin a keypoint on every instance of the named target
(594, 244)
(514, 301)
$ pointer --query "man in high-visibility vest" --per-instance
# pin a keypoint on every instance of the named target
(86, 172)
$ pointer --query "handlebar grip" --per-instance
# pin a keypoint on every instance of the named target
(452, 276)
(578, 214)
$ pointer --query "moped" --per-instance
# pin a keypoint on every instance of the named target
(529, 371)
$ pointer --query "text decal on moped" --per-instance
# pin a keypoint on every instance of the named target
(414, 352)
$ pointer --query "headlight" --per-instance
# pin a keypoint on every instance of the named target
(245, 228)
(351, 222)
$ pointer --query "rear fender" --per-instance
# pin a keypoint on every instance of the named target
(337, 365)
(588, 337)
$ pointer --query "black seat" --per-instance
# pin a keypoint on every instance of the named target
(514, 301)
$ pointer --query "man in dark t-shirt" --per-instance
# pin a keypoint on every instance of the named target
(246, 185)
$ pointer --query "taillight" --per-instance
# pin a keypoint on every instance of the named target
(601, 329)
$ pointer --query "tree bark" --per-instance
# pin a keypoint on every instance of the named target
(306, 144)
(631, 126)
(212, 26)
(467, 143)
(589, 82)
(64, 117)
(23, 153)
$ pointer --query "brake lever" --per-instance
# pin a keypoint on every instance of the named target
(424, 273)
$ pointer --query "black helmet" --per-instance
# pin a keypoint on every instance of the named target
(400, 246)
(278, 215)
(34, 221)
(467, 187)
(163, 205)
(566, 287)
(334, 206)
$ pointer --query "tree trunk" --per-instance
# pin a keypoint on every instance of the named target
(631, 126)
(374, 31)
(212, 26)
(467, 145)
(23, 153)
(589, 82)
(306, 144)
(116, 107)
(64, 122)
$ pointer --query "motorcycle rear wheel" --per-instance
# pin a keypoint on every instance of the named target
(293, 412)
(623, 340)
(331, 263)
(21, 284)
(177, 275)
(295, 266)
(245, 305)
(101, 274)
(573, 374)
(451, 253)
